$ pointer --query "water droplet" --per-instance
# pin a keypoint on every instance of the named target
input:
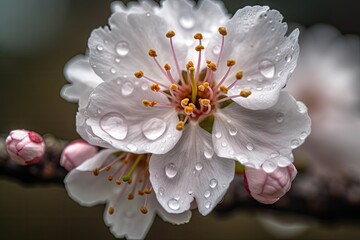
(301, 107)
(218, 135)
(207, 194)
(294, 143)
(233, 131)
(131, 147)
(99, 47)
(303, 135)
(242, 158)
(144, 86)
(161, 191)
(127, 88)
(216, 50)
(224, 144)
(269, 166)
(173, 204)
(267, 68)
(112, 70)
(279, 117)
(207, 204)
(170, 170)
(283, 161)
(250, 147)
(129, 214)
(98, 111)
(122, 48)
(190, 192)
(288, 58)
(187, 21)
(154, 128)
(198, 167)
(117, 60)
(115, 125)
(274, 154)
(148, 14)
(208, 154)
(272, 29)
(213, 183)
(177, 197)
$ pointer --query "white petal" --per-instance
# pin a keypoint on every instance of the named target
(127, 220)
(85, 188)
(255, 136)
(117, 116)
(190, 170)
(134, 7)
(124, 49)
(178, 219)
(82, 78)
(267, 58)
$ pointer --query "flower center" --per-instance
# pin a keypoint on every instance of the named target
(131, 173)
(197, 93)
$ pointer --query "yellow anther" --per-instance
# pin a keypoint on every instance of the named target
(155, 87)
(111, 210)
(180, 126)
(167, 67)
(143, 210)
(223, 89)
(189, 65)
(140, 192)
(245, 93)
(185, 101)
(152, 53)
(201, 88)
(147, 191)
(199, 47)
(198, 36)
(118, 181)
(192, 105)
(139, 74)
(205, 102)
(222, 31)
(153, 103)
(239, 75)
(208, 61)
(188, 110)
(131, 196)
(212, 66)
(173, 87)
(129, 181)
(191, 69)
(206, 84)
(230, 62)
(147, 103)
(96, 171)
(110, 178)
(170, 34)
(107, 168)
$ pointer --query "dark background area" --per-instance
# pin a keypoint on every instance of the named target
(37, 38)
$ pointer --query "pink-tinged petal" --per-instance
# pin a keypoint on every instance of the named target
(75, 153)
(117, 116)
(123, 48)
(267, 187)
(256, 40)
(256, 136)
(82, 80)
(85, 188)
(190, 170)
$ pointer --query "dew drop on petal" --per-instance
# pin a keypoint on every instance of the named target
(301, 107)
(173, 204)
(224, 144)
(115, 125)
(161, 191)
(267, 68)
(131, 147)
(208, 154)
(283, 161)
(117, 60)
(190, 192)
(122, 48)
(170, 170)
(207, 204)
(288, 58)
(250, 147)
(144, 86)
(154, 128)
(127, 88)
(233, 131)
(99, 47)
(148, 14)
(303, 135)
(207, 194)
(198, 167)
(216, 50)
(129, 214)
(218, 135)
(294, 143)
(242, 158)
(269, 166)
(279, 117)
(187, 21)
(112, 70)
(274, 154)
(213, 183)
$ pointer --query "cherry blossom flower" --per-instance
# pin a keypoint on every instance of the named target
(193, 115)
(121, 180)
(329, 62)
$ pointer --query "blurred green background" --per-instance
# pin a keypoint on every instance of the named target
(37, 37)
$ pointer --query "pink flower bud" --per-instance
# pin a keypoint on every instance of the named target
(25, 147)
(75, 153)
(268, 187)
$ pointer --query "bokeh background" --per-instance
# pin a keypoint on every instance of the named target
(37, 37)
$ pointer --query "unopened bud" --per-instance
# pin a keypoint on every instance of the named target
(75, 153)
